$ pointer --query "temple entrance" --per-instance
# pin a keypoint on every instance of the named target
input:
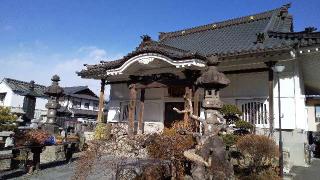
(171, 116)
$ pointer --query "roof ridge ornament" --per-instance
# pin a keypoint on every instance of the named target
(284, 10)
(310, 29)
(146, 38)
(212, 60)
(261, 37)
(31, 85)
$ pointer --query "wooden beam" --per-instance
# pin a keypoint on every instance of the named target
(132, 108)
(141, 113)
(101, 101)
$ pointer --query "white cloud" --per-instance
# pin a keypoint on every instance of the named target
(28, 66)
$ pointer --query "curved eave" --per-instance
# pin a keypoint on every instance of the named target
(150, 57)
(105, 69)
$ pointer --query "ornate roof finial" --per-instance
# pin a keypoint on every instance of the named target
(310, 29)
(146, 38)
(287, 6)
(31, 86)
(55, 78)
(284, 10)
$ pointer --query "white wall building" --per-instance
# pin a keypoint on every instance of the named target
(79, 102)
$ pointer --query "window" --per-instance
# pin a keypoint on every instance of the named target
(2, 96)
(255, 112)
(86, 105)
(317, 109)
(76, 104)
(95, 106)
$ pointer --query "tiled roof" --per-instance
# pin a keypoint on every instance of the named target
(23, 88)
(232, 36)
(78, 112)
(74, 89)
(303, 38)
(85, 112)
(265, 32)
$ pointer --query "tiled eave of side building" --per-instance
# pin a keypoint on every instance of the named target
(263, 34)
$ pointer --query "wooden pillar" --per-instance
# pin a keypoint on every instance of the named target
(271, 96)
(188, 95)
(101, 101)
(196, 109)
(141, 113)
(132, 108)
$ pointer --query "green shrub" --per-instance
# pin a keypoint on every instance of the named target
(229, 139)
(241, 124)
(8, 127)
(231, 113)
(6, 115)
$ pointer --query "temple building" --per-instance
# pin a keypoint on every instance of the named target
(149, 82)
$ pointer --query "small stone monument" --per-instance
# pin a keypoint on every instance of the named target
(29, 103)
(54, 92)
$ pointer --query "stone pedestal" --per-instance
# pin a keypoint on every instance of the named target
(53, 153)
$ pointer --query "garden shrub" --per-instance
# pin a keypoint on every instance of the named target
(231, 113)
(229, 139)
(269, 174)
(36, 136)
(260, 150)
(102, 131)
(7, 120)
(170, 146)
(241, 124)
(6, 115)
(243, 127)
(8, 127)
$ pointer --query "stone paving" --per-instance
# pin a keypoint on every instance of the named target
(307, 173)
(61, 171)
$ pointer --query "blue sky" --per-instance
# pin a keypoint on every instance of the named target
(39, 38)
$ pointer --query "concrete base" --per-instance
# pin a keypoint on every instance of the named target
(294, 151)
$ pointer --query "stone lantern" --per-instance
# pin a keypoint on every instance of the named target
(54, 92)
(212, 81)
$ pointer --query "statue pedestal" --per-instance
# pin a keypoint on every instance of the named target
(51, 128)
